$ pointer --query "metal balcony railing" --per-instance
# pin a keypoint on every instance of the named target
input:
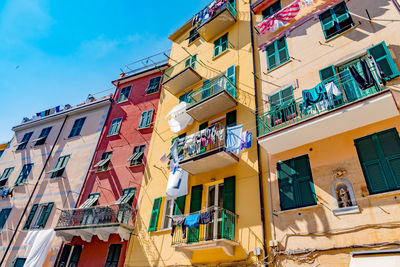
(96, 215)
(221, 227)
(296, 110)
(187, 62)
(209, 89)
(203, 141)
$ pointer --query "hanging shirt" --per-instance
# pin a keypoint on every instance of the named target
(192, 220)
(179, 221)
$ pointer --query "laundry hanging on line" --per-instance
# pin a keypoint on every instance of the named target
(363, 82)
(192, 220)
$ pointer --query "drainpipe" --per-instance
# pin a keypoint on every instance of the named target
(260, 181)
(33, 192)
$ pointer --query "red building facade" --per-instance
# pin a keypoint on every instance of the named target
(96, 233)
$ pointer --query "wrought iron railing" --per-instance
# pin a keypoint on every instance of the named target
(96, 215)
(296, 110)
(209, 89)
(230, 6)
(203, 141)
(222, 227)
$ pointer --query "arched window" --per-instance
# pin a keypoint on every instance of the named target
(344, 196)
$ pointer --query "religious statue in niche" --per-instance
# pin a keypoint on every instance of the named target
(343, 196)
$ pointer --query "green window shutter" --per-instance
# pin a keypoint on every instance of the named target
(45, 215)
(229, 194)
(115, 126)
(195, 205)
(154, 214)
(272, 9)
(180, 205)
(217, 47)
(18, 262)
(283, 54)
(4, 216)
(149, 117)
(390, 146)
(231, 118)
(371, 165)
(271, 57)
(327, 20)
(145, 120)
(77, 127)
(206, 89)
(328, 74)
(231, 85)
(286, 189)
(224, 42)
(30, 217)
(383, 58)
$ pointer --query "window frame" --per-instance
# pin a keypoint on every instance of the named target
(41, 140)
(126, 96)
(24, 141)
(271, 8)
(24, 174)
(115, 126)
(142, 118)
(3, 223)
(155, 87)
(105, 166)
(278, 62)
(76, 128)
(336, 23)
(220, 45)
(137, 160)
(58, 172)
(6, 175)
(193, 36)
(164, 219)
(41, 212)
(112, 262)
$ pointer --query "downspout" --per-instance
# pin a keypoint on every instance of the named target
(260, 180)
(33, 192)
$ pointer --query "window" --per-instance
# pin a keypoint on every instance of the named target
(124, 95)
(60, 166)
(127, 196)
(43, 136)
(191, 62)
(171, 207)
(296, 187)
(281, 98)
(5, 176)
(77, 127)
(104, 162)
(221, 44)
(70, 256)
(23, 176)
(38, 216)
(277, 53)
(272, 9)
(90, 201)
(115, 125)
(145, 120)
(4, 216)
(24, 141)
(114, 252)
(193, 35)
(336, 20)
(379, 155)
(18, 262)
(1, 153)
(137, 156)
(382, 56)
(169, 204)
(186, 97)
(154, 85)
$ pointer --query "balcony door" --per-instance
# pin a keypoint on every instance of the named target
(215, 195)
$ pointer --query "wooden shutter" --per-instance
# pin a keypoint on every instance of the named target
(271, 56)
(224, 42)
(390, 145)
(383, 58)
(229, 194)
(281, 47)
(30, 217)
(303, 183)
(286, 189)
(231, 75)
(195, 205)
(328, 74)
(180, 205)
(149, 117)
(231, 118)
(45, 215)
(154, 214)
(327, 21)
(217, 47)
(206, 89)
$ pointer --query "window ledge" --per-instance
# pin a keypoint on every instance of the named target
(383, 194)
(281, 65)
(340, 34)
(299, 209)
(156, 92)
(144, 128)
(103, 170)
(123, 101)
(222, 53)
(162, 231)
(111, 135)
(347, 210)
(73, 137)
(137, 165)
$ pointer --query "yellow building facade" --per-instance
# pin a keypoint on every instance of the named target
(327, 87)
(211, 70)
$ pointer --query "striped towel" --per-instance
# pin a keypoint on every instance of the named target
(280, 18)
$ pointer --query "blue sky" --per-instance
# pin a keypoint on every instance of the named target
(57, 52)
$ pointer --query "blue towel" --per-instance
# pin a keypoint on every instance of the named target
(248, 141)
(233, 137)
(314, 95)
(192, 220)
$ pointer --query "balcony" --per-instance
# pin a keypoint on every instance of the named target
(220, 233)
(211, 99)
(294, 123)
(219, 21)
(181, 76)
(196, 158)
(97, 220)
